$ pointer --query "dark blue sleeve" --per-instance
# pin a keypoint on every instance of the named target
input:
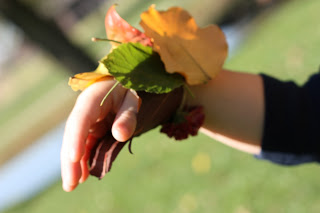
(292, 121)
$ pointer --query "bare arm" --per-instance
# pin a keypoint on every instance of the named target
(234, 108)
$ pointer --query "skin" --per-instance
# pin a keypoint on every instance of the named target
(234, 109)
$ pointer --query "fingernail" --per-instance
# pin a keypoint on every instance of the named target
(138, 98)
(82, 179)
(68, 188)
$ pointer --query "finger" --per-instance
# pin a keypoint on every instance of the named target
(126, 118)
(84, 169)
(91, 141)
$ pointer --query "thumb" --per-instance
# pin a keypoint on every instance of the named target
(126, 119)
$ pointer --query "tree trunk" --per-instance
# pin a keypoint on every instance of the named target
(46, 34)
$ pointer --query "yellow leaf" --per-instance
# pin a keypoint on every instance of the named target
(83, 80)
(102, 69)
(196, 53)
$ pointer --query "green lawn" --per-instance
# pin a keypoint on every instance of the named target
(201, 175)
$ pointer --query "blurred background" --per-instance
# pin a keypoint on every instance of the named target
(43, 43)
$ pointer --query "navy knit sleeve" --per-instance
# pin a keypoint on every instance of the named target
(292, 121)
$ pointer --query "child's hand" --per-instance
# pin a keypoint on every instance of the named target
(89, 121)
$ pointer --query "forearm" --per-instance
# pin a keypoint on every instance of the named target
(234, 108)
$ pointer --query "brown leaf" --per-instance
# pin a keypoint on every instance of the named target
(103, 154)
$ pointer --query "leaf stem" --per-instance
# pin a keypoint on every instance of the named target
(108, 93)
(105, 39)
(188, 90)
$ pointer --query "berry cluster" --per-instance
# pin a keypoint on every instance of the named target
(184, 123)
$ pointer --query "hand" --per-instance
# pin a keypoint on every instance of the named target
(89, 121)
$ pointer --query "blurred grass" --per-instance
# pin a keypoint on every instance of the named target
(159, 177)
(35, 97)
(286, 45)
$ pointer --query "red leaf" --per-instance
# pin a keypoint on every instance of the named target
(119, 30)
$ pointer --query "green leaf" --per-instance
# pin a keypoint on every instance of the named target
(138, 67)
